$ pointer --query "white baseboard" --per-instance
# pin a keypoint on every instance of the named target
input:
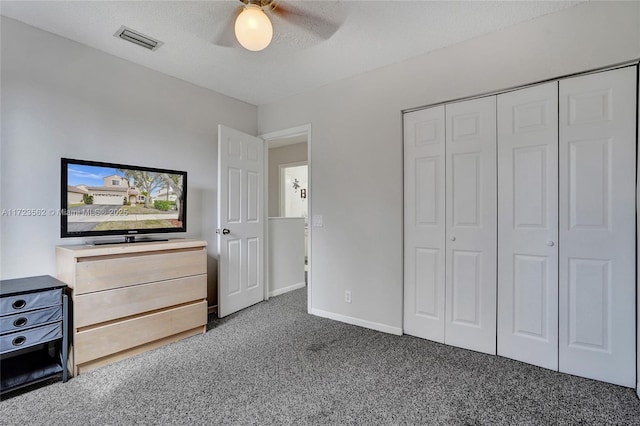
(357, 321)
(286, 289)
(638, 389)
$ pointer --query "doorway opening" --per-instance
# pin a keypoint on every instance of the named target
(288, 206)
(294, 191)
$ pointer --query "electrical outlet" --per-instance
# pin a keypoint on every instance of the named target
(347, 296)
(316, 220)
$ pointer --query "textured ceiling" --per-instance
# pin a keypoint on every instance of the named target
(371, 34)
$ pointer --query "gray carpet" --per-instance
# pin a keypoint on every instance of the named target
(274, 364)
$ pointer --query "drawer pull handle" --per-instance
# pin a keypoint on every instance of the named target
(19, 304)
(19, 341)
(20, 322)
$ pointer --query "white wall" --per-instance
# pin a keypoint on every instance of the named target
(356, 153)
(286, 254)
(282, 155)
(63, 99)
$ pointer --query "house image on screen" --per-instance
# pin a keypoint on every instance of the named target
(166, 194)
(75, 194)
(114, 191)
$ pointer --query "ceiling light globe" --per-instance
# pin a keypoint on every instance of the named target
(253, 28)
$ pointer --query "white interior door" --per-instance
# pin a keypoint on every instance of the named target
(471, 229)
(424, 223)
(240, 220)
(597, 226)
(528, 225)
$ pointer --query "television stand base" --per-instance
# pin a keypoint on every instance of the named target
(127, 240)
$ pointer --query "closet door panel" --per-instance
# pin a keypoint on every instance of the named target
(597, 226)
(471, 180)
(637, 249)
(528, 225)
(424, 223)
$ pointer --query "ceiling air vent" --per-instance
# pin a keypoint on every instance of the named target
(137, 38)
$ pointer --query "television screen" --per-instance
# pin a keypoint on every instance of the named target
(116, 199)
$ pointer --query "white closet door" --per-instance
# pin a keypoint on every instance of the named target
(597, 226)
(471, 189)
(637, 252)
(424, 223)
(528, 225)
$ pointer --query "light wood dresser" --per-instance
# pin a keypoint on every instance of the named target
(130, 298)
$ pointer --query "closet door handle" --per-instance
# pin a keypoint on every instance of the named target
(551, 243)
(452, 238)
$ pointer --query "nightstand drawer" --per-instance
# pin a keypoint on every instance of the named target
(29, 301)
(30, 319)
(31, 337)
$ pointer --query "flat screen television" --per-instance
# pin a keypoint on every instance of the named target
(100, 199)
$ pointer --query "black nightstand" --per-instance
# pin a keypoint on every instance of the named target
(34, 318)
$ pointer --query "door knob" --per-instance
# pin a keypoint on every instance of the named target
(550, 243)
(452, 238)
(225, 231)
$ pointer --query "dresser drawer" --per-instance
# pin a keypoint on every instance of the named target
(115, 337)
(30, 319)
(29, 301)
(108, 272)
(94, 308)
(30, 337)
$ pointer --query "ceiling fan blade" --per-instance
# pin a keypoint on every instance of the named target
(311, 22)
(227, 36)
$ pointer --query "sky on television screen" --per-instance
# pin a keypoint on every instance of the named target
(79, 174)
